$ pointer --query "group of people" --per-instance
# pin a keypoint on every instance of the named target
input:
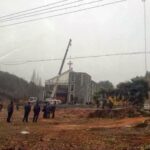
(48, 109)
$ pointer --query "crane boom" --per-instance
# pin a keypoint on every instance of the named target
(60, 70)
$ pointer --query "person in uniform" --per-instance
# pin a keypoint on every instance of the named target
(10, 110)
(36, 111)
(27, 109)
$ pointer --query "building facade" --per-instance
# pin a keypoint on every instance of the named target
(73, 87)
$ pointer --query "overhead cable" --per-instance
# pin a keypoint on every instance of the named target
(12, 14)
(61, 14)
(77, 57)
(34, 13)
(50, 11)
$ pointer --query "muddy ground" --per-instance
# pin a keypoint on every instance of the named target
(73, 130)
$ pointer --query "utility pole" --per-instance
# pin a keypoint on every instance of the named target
(145, 43)
(145, 37)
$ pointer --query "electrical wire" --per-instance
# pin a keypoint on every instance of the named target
(55, 10)
(61, 14)
(33, 9)
(77, 57)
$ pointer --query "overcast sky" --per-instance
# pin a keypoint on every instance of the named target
(117, 28)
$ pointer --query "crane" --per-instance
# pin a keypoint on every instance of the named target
(53, 94)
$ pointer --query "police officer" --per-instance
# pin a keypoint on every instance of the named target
(27, 109)
(36, 111)
(48, 110)
(53, 108)
(45, 111)
(1, 107)
(10, 110)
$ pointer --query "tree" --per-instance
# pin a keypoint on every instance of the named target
(33, 77)
(135, 90)
(105, 85)
(139, 89)
(15, 88)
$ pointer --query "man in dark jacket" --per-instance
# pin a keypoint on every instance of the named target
(53, 108)
(1, 107)
(27, 109)
(44, 111)
(48, 110)
(36, 111)
(10, 110)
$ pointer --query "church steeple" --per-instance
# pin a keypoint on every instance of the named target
(70, 64)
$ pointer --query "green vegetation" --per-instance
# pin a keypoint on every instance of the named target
(13, 87)
(134, 91)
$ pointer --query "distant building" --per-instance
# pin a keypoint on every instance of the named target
(73, 87)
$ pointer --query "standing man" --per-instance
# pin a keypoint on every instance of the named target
(48, 110)
(44, 111)
(27, 109)
(1, 107)
(53, 108)
(36, 111)
(10, 110)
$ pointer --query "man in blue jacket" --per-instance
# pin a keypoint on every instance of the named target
(36, 111)
(10, 110)
(53, 108)
(27, 109)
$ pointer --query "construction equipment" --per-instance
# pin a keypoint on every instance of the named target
(53, 94)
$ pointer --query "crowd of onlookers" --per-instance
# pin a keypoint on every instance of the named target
(48, 110)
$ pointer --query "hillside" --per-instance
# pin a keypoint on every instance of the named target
(13, 87)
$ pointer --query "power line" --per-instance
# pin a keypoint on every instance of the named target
(61, 14)
(55, 10)
(8, 53)
(77, 57)
(21, 15)
(33, 8)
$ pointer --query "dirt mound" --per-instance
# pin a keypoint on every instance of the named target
(114, 113)
(144, 124)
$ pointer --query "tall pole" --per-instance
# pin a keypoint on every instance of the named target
(62, 64)
(60, 70)
(145, 42)
(145, 39)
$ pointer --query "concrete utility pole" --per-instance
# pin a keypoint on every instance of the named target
(145, 44)
(145, 37)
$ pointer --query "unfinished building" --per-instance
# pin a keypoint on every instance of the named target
(73, 87)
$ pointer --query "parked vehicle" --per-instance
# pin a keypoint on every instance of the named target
(33, 99)
(52, 101)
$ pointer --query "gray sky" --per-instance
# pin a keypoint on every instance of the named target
(115, 28)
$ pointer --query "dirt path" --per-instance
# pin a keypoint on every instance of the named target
(105, 123)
